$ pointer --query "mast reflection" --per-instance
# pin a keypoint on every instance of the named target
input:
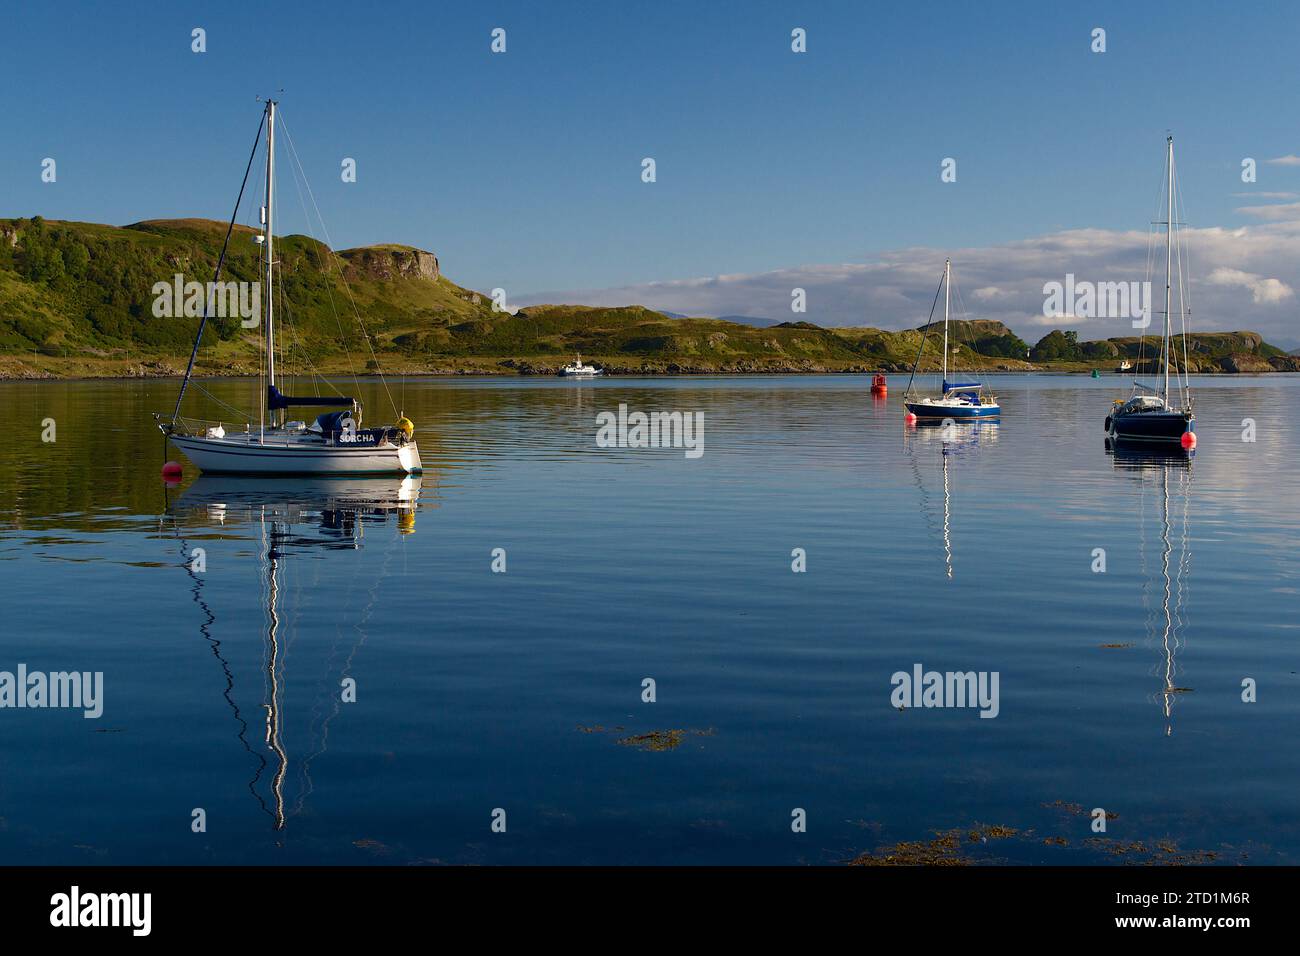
(291, 517)
(1167, 475)
(951, 440)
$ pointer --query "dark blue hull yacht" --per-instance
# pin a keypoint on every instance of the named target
(1152, 416)
(1146, 418)
(958, 401)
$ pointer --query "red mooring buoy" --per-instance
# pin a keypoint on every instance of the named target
(1189, 439)
(172, 471)
(910, 418)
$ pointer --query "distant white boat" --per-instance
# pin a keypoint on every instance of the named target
(334, 444)
(1125, 366)
(578, 370)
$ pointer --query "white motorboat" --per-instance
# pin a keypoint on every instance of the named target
(578, 370)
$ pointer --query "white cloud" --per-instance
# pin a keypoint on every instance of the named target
(1274, 213)
(1288, 160)
(1262, 290)
(1240, 278)
(1266, 195)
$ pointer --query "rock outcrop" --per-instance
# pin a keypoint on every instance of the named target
(1239, 362)
(390, 262)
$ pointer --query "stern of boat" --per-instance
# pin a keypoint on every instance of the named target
(408, 456)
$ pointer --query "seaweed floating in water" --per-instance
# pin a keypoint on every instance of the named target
(946, 849)
(1165, 852)
(654, 740)
(661, 740)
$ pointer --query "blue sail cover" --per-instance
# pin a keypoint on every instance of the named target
(275, 399)
(961, 387)
(333, 423)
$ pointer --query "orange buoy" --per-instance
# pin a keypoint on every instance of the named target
(879, 385)
(1189, 439)
(172, 471)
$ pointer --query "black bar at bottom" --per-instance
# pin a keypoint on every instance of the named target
(332, 904)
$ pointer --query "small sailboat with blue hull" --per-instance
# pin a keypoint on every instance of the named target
(958, 400)
(1152, 415)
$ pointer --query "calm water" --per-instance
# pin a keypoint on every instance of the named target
(478, 690)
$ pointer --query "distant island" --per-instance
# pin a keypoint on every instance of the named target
(76, 300)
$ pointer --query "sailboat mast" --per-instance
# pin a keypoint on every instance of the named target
(947, 298)
(1169, 235)
(270, 250)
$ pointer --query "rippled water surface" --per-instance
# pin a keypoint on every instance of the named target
(523, 690)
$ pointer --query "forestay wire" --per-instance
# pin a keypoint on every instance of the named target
(924, 332)
(221, 260)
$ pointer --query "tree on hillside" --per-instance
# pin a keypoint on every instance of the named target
(1057, 346)
(1100, 349)
(1008, 345)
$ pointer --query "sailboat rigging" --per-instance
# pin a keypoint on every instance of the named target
(335, 443)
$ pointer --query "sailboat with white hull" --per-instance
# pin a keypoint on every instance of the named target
(1151, 415)
(334, 444)
(959, 401)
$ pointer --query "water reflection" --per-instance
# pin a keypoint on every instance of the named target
(952, 440)
(291, 518)
(1167, 478)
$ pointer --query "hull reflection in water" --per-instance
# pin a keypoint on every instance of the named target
(1167, 490)
(289, 518)
(953, 440)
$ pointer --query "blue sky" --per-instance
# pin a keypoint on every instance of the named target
(522, 170)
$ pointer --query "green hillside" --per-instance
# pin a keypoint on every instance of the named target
(76, 299)
(70, 288)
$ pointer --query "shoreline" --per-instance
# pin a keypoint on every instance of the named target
(489, 373)
(17, 368)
